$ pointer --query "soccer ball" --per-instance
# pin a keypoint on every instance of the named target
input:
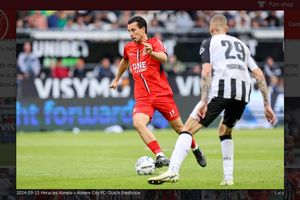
(145, 166)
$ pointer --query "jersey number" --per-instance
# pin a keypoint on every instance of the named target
(239, 48)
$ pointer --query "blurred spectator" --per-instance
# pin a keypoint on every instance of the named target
(57, 20)
(275, 89)
(79, 70)
(200, 22)
(258, 20)
(243, 21)
(28, 63)
(272, 19)
(123, 18)
(20, 74)
(80, 24)
(170, 19)
(69, 24)
(96, 22)
(147, 15)
(271, 69)
(174, 65)
(58, 70)
(104, 69)
(195, 70)
(105, 20)
(183, 20)
(37, 20)
(230, 18)
(19, 23)
(155, 22)
(170, 22)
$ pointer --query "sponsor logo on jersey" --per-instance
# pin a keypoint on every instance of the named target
(139, 67)
(201, 50)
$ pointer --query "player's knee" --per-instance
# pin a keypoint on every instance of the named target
(224, 130)
(178, 128)
(137, 124)
(187, 128)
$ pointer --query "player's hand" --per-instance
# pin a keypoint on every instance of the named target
(271, 117)
(202, 110)
(114, 84)
(148, 48)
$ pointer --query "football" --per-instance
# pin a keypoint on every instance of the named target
(145, 166)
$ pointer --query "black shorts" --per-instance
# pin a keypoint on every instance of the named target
(233, 111)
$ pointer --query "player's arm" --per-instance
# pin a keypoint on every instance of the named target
(205, 81)
(206, 75)
(262, 85)
(205, 88)
(160, 56)
(121, 69)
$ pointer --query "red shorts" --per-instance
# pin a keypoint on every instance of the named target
(165, 105)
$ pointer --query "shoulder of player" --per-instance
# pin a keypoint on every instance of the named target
(206, 42)
(154, 40)
(130, 44)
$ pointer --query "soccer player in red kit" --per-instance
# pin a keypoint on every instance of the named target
(152, 91)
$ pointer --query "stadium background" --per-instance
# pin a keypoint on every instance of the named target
(90, 45)
(63, 88)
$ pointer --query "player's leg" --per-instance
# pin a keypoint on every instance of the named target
(142, 114)
(232, 114)
(227, 148)
(182, 146)
(168, 108)
(181, 150)
(140, 122)
(177, 126)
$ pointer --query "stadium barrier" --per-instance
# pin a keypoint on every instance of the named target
(53, 104)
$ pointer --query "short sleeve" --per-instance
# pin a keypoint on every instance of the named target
(251, 63)
(204, 51)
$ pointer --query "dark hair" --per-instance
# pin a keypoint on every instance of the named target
(141, 22)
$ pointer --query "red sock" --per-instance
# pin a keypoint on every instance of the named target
(154, 147)
(193, 145)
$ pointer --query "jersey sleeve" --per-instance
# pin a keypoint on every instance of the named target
(251, 63)
(158, 46)
(125, 55)
(204, 51)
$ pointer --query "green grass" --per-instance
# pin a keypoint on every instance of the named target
(98, 160)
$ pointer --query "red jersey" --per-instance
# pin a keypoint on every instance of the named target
(60, 72)
(148, 75)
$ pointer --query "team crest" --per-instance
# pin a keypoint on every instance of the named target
(3, 24)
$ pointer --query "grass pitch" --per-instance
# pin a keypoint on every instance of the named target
(98, 160)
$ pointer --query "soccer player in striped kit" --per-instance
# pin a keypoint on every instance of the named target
(152, 91)
(225, 86)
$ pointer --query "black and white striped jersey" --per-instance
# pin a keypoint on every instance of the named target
(231, 61)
